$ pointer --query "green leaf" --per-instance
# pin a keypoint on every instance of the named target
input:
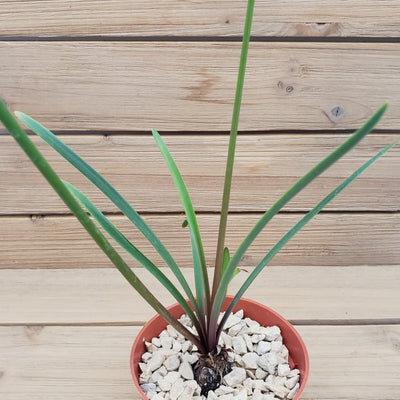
(299, 225)
(199, 262)
(317, 170)
(93, 176)
(231, 148)
(47, 171)
(225, 261)
(339, 152)
(114, 233)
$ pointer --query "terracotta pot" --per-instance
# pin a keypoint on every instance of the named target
(256, 311)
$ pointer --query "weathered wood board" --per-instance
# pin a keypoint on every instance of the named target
(186, 86)
(303, 294)
(265, 167)
(84, 363)
(132, 18)
(330, 239)
(102, 74)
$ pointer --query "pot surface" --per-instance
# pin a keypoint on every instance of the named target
(298, 356)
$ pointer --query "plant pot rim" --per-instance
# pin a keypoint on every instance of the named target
(291, 338)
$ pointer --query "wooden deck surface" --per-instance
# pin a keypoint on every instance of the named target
(101, 74)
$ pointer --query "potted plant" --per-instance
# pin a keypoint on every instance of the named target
(202, 325)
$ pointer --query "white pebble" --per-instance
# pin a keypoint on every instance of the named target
(155, 377)
(157, 396)
(239, 314)
(186, 346)
(248, 385)
(191, 387)
(251, 323)
(146, 356)
(164, 333)
(239, 345)
(260, 385)
(176, 389)
(257, 338)
(212, 396)
(164, 385)
(283, 369)
(172, 363)
(166, 342)
(236, 329)
(268, 362)
(148, 387)
(223, 390)
(250, 360)
(236, 376)
(186, 371)
(172, 331)
(172, 376)
(226, 339)
(190, 358)
(271, 332)
(248, 341)
(162, 370)
(284, 352)
(177, 346)
(263, 347)
(242, 395)
(156, 361)
(276, 346)
(281, 391)
(293, 392)
(231, 321)
(260, 373)
(291, 382)
(156, 341)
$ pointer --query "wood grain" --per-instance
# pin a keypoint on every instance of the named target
(93, 362)
(305, 294)
(186, 86)
(224, 18)
(330, 239)
(265, 167)
(103, 73)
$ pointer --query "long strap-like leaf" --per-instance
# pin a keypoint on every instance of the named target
(299, 225)
(339, 152)
(231, 148)
(199, 262)
(98, 180)
(47, 171)
(120, 238)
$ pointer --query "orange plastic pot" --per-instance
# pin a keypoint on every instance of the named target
(298, 356)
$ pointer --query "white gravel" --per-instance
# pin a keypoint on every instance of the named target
(260, 368)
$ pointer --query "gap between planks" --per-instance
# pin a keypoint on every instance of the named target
(123, 18)
(202, 39)
(297, 322)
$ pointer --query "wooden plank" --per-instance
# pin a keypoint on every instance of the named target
(330, 239)
(185, 86)
(347, 362)
(101, 296)
(265, 167)
(192, 18)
